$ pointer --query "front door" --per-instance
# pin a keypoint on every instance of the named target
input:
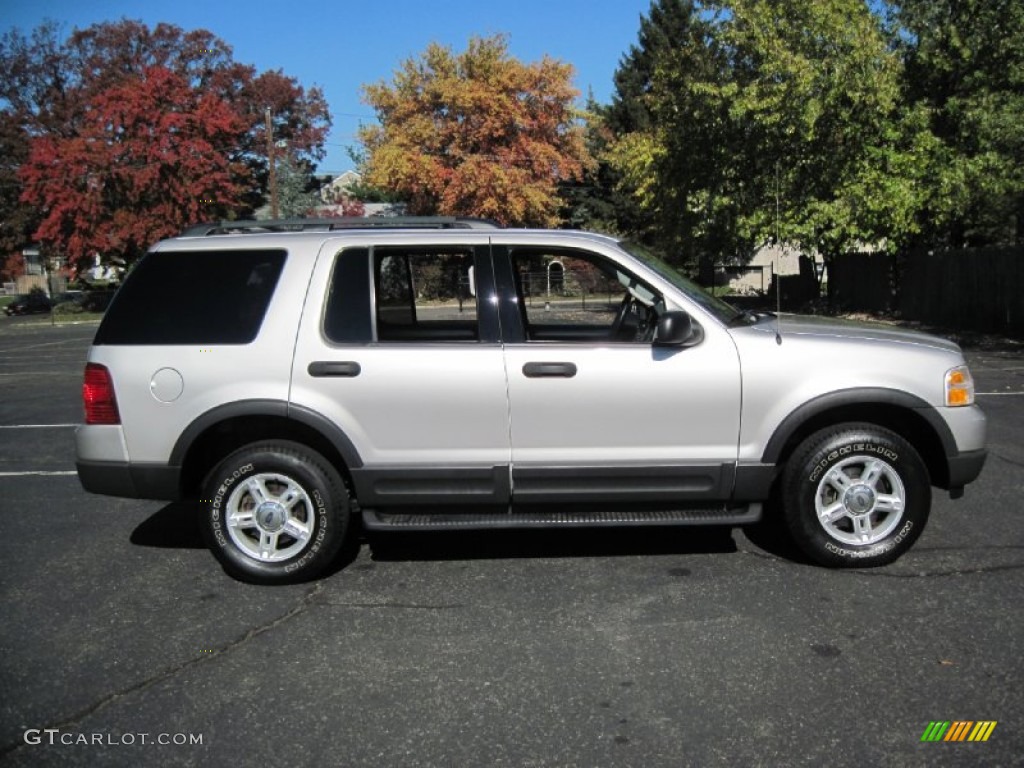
(598, 413)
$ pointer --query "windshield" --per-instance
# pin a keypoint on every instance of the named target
(723, 311)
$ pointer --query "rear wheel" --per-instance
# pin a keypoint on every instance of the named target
(274, 512)
(855, 495)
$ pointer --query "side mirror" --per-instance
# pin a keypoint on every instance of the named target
(677, 329)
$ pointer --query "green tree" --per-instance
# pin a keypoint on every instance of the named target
(477, 133)
(668, 25)
(297, 193)
(624, 133)
(965, 69)
(778, 121)
(813, 99)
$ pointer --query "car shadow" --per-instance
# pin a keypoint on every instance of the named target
(770, 535)
(175, 526)
(549, 543)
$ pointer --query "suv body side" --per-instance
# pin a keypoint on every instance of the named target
(319, 357)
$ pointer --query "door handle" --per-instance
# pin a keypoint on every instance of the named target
(549, 370)
(345, 368)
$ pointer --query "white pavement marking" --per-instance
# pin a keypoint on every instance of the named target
(39, 472)
(37, 346)
(77, 374)
(37, 426)
(997, 394)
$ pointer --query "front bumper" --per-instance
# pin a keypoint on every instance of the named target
(964, 468)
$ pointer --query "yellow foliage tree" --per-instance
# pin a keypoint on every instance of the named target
(478, 133)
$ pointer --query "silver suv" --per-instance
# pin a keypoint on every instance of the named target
(442, 374)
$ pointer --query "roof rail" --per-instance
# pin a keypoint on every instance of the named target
(327, 225)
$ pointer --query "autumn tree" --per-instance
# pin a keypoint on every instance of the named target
(17, 220)
(477, 133)
(146, 162)
(140, 124)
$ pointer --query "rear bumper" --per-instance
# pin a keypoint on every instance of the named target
(133, 481)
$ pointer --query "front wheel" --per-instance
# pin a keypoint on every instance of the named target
(855, 495)
(274, 512)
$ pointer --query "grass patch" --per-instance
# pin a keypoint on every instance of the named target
(80, 317)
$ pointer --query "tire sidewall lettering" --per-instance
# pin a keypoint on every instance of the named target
(875, 549)
(856, 444)
(846, 451)
(325, 514)
(856, 450)
(217, 503)
(320, 513)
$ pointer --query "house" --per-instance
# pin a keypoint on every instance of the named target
(339, 187)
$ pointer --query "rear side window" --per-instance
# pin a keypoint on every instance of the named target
(425, 295)
(193, 297)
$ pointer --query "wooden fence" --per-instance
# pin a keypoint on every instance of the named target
(978, 289)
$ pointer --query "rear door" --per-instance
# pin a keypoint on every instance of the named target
(399, 348)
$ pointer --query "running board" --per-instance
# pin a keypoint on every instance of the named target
(403, 521)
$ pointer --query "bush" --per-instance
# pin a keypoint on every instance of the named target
(96, 301)
(68, 308)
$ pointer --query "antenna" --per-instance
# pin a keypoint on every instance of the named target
(778, 306)
(778, 281)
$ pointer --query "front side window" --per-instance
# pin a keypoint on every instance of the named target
(425, 295)
(570, 295)
(722, 310)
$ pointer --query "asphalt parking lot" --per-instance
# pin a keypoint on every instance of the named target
(123, 643)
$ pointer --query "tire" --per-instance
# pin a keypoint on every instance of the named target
(274, 512)
(855, 496)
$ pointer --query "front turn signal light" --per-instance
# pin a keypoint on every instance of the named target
(959, 386)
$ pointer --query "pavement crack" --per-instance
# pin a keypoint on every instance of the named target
(917, 574)
(102, 703)
(412, 606)
(950, 572)
(1008, 460)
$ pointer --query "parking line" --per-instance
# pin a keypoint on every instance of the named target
(37, 426)
(39, 472)
(37, 346)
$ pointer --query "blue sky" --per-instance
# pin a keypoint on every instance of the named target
(342, 45)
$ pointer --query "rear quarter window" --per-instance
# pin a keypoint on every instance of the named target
(193, 297)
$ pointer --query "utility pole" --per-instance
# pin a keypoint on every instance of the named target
(272, 164)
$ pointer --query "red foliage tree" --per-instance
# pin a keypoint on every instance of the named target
(147, 161)
(13, 268)
(120, 126)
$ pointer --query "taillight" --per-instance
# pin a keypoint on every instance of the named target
(98, 396)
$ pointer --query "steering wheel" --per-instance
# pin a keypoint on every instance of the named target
(620, 317)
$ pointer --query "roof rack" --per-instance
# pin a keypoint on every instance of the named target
(327, 225)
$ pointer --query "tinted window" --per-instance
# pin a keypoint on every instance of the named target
(577, 296)
(193, 297)
(347, 318)
(425, 295)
